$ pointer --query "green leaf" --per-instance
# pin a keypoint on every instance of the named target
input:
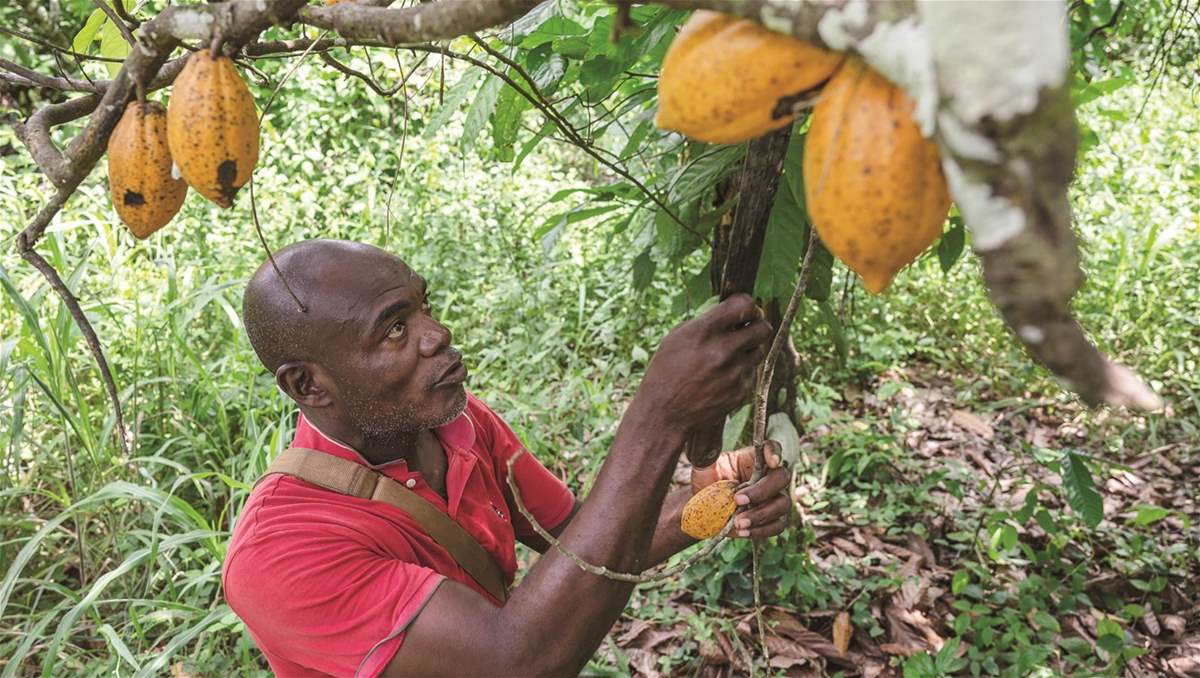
(506, 122)
(1046, 621)
(480, 110)
(454, 98)
(546, 69)
(1148, 514)
(787, 231)
(820, 277)
(552, 229)
(1081, 490)
(599, 76)
(950, 247)
(643, 270)
(959, 581)
(113, 46)
(87, 35)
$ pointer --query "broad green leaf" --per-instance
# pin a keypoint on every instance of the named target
(113, 46)
(783, 247)
(643, 270)
(480, 110)
(701, 174)
(1081, 490)
(959, 581)
(1148, 514)
(506, 122)
(454, 98)
(86, 35)
(950, 247)
(546, 69)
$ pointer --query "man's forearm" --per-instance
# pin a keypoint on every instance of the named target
(614, 528)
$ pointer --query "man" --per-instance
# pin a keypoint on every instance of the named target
(333, 584)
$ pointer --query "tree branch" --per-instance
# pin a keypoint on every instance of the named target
(422, 23)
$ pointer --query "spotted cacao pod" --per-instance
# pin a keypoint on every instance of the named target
(725, 79)
(144, 192)
(873, 184)
(705, 514)
(212, 127)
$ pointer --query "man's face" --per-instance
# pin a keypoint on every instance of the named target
(393, 366)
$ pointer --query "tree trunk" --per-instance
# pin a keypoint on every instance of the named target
(737, 248)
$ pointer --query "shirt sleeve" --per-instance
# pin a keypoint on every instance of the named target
(547, 498)
(321, 601)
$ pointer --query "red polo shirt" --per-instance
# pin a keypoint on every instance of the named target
(327, 584)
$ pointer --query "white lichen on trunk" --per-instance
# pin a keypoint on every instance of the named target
(969, 39)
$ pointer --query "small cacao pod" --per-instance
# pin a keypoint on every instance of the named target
(873, 185)
(705, 514)
(212, 127)
(144, 193)
(725, 79)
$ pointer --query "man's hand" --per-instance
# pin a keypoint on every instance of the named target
(767, 499)
(703, 368)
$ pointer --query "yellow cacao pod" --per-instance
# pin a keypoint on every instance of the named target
(144, 193)
(212, 127)
(873, 185)
(725, 80)
(705, 514)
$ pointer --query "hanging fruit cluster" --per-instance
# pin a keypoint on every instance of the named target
(873, 184)
(206, 138)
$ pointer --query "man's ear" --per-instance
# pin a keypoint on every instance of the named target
(305, 383)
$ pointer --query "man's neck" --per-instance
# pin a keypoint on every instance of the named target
(376, 450)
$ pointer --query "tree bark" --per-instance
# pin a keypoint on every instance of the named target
(737, 249)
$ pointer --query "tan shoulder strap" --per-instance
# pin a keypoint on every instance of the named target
(346, 477)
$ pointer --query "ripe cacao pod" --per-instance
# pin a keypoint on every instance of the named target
(705, 514)
(873, 185)
(144, 193)
(725, 79)
(212, 127)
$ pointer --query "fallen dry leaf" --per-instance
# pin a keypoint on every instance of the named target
(842, 631)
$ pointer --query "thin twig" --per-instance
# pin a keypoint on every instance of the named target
(346, 70)
(767, 371)
(56, 48)
(89, 334)
(253, 201)
(566, 129)
(601, 570)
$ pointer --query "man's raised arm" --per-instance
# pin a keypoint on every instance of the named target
(554, 621)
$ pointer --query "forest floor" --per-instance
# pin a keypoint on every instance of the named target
(997, 562)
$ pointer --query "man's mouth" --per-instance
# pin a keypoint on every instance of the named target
(455, 373)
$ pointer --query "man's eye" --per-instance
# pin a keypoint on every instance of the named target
(396, 331)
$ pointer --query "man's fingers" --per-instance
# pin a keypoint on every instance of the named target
(766, 513)
(772, 483)
(763, 531)
(733, 312)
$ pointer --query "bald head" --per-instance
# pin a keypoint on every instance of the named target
(326, 276)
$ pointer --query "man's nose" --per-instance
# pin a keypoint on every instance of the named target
(434, 338)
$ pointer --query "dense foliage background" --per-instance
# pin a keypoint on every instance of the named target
(951, 492)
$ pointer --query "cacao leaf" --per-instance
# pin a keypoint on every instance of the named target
(454, 98)
(480, 110)
(113, 46)
(86, 35)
